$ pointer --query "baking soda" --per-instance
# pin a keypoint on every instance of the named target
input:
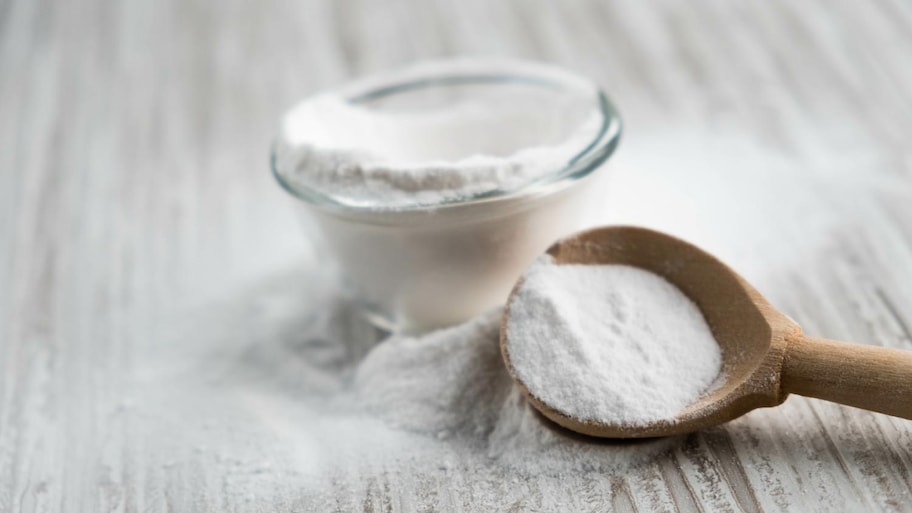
(456, 145)
(452, 386)
(285, 374)
(609, 343)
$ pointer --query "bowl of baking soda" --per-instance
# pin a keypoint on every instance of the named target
(431, 188)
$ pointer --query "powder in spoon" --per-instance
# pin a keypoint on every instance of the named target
(609, 343)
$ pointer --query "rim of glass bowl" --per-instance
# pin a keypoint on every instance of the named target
(580, 165)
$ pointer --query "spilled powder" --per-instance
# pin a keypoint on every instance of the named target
(277, 391)
(452, 385)
(447, 383)
(609, 343)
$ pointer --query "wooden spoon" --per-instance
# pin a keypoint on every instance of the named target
(765, 355)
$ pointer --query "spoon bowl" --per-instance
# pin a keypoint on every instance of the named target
(765, 355)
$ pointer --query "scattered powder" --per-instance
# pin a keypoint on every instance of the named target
(449, 148)
(609, 343)
(279, 390)
(448, 383)
(452, 385)
(525, 442)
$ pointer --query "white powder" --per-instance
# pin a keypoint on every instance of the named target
(452, 385)
(257, 390)
(445, 144)
(449, 382)
(526, 442)
(609, 343)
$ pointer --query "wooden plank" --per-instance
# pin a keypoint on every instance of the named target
(150, 322)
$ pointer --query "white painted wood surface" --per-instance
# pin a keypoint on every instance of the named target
(143, 242)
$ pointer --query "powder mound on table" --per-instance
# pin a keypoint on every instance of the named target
(450, 382)
(610, 343)
(451, 385)
(524, 441)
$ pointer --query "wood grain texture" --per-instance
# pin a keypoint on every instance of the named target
(143, 243)
(863, 376)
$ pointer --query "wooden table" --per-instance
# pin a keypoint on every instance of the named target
(142, 239)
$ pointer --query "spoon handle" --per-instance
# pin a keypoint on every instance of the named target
(869, 377)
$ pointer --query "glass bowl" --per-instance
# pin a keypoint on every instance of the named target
(413, 265)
